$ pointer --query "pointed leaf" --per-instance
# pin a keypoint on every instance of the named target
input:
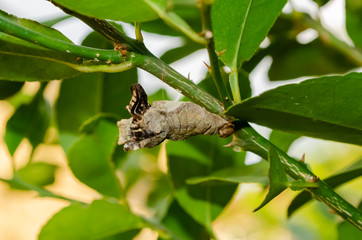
(195, 157)
(182, 226)
(278, 180)
(100, 220)
(8, 88)
(38, 174)
(90, 159)
(347, 174)
(29, 121)
(24, 61)
(123, 10)
(239, 28)
(354, 21)
(327, 107)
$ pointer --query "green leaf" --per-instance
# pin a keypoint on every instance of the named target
(240, 26)
(24, 61)
(100, 220)
(8, 89)
(282, 140)
(327, 107)
(90, 160)
(256, 173)
(349, 173)
(314, 58)
(35, 26)
(29, 121)
(278, 180)
(354, 21)
(176, 54)
(195, 157)
(87, 95)
(39, 174)
(122, 10)
(182, 226)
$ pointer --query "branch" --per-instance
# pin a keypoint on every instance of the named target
(214, 60)
(139, 55)
(249, 140)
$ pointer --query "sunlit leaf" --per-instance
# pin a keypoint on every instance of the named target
(278, 180)
(327, 107)
(90, 159)
(38, 173)
(238, 28)
(196, 157)
(123, 10)
(100, 220)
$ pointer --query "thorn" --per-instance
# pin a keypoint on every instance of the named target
(108, 62)
(188, 76)
(231, 144)
(303, 158)
(332, 211)
(208, 67)
(220, 53)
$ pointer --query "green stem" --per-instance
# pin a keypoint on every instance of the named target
(214, 60)
(250, 140)
(328, 38)
(174, 21)
(43, 40)
(144, 59)
(170, 76)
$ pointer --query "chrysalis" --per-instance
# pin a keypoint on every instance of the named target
(151, 125)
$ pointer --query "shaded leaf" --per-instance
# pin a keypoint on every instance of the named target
(354, 21)
(278, 180)
(123, 10)
(100, 220)
(237, 27)
(326, 107)
(90, 160)
(349, 173)
(8, 88)
(29, 121)
(182, 226)
(195, 157)
(292, 60)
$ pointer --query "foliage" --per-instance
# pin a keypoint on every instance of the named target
(202, 176)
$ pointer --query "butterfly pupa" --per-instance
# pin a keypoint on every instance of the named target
(151, 125)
